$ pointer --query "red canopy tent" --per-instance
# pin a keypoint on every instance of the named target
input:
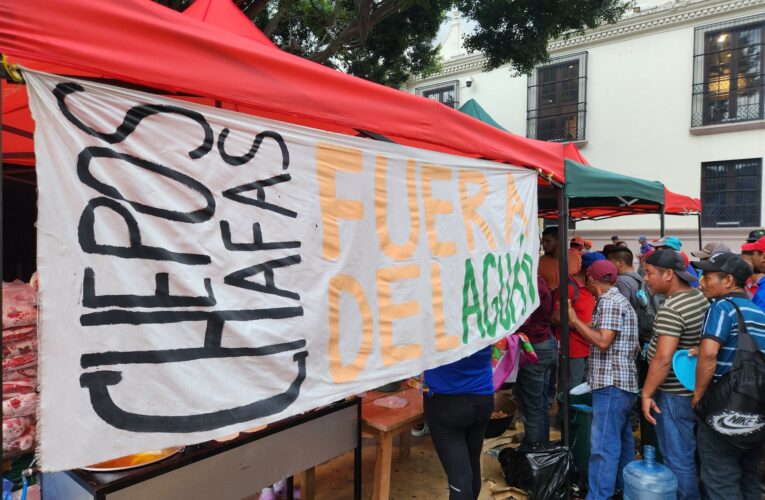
(213, 54)
(208, 51)
(679, 204)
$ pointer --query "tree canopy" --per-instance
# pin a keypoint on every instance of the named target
(389, 41)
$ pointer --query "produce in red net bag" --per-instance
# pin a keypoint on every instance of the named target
(20, 406)
(14, 427)
(20, 333)
(19, 387)
(19, 348)
(34, 281)
(19, 304)
(19, 445)
(18, 362)
(23, 374)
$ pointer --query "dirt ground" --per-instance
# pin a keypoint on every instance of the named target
(421, 476)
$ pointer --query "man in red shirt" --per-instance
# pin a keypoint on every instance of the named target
(583, 303)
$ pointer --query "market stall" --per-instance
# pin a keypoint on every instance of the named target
(202, 56)
(241, 74)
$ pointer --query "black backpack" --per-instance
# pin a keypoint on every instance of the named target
(575, 285)
(734, 406)
(645, 304)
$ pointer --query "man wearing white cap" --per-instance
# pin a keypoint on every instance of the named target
(710, 249)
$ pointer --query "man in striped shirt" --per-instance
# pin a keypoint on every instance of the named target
(678, 326)
(727, 471)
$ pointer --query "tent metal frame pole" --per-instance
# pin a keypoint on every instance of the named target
(2, 186)
(563, 377)
(662, 217)
(698, 225)
(563, 294)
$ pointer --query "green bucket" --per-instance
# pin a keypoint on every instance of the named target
(580, 425)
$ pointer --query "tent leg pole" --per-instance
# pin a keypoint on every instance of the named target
(563, 294)
(661, 226)
(698, 224)
(2, 243)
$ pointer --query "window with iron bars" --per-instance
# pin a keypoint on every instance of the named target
(731, 193)
(729, 72)
(557, 100)
(447, 93)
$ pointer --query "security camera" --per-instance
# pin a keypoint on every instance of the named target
(469, 81)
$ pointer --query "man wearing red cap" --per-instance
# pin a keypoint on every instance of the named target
(577, 243)
(758, 264)
(613, 336)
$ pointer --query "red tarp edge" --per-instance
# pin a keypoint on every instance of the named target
(141, 42)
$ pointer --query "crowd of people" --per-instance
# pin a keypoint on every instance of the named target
(628, 316)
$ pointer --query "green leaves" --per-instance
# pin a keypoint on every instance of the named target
(389, 41)
(518, 31)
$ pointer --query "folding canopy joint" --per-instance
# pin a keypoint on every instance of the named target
(10, 71)
(627, 203)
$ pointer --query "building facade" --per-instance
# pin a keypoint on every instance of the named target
(674, 92)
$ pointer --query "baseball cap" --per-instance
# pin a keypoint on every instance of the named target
(667, 241)
(641, 239)
(673, 260)
(729, 263)
(758, 245)
(614, 238)
(755, 235)
(590, 258)
(603, 270)
(710, 249)
(577, 240)
(588, 243)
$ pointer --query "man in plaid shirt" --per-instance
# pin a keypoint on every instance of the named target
(613, 336)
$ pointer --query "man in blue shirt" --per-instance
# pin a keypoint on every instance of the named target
(645, 247)
(758, 263)
(727, 472)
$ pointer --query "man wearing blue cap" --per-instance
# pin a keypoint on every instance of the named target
(674, 243)
(645, 247)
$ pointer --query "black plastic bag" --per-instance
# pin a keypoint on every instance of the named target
(541, 469)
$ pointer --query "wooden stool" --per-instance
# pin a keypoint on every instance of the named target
(384, 423)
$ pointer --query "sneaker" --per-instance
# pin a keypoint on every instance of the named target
(280, 490)
(420, 430)
(268, 494)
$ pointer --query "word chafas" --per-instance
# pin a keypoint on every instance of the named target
(162, 307)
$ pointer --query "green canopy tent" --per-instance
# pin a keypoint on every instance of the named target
(590, 193)
(595, 194)
(472, 108)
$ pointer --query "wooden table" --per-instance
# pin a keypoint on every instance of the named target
(234, 469)
(384, 423)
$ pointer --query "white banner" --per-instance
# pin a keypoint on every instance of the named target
(204, 272)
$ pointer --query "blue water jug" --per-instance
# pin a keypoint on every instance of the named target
(647, 480)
